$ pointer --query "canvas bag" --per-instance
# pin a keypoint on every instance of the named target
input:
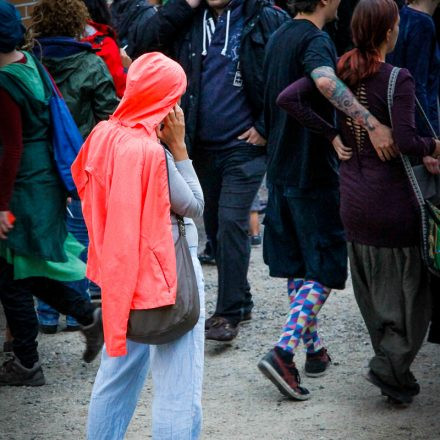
(430, 214)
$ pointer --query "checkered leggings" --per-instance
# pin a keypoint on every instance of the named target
(306, 299)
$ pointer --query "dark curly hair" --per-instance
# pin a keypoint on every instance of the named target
(307, 6)
(99, 11)
(59, 18)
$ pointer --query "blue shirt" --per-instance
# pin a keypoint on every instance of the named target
(224, 112)
(417, 50)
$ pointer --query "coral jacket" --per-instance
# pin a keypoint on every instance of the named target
(104, 42)
(121, 177)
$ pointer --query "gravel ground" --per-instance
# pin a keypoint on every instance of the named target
(239, 403)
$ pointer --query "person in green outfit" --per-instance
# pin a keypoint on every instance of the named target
(36, 252)
(88, 89)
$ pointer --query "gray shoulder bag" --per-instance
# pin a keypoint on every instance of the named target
(429, 213)
(167, 324)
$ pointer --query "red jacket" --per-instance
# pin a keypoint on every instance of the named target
(121, 177)
(103, 40)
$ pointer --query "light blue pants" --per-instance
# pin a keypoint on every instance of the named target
(177, 372)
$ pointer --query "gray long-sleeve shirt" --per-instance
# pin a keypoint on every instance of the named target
(186, 197)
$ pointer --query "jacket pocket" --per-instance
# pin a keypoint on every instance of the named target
(161, 265)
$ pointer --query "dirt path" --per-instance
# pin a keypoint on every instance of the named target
(239, 403)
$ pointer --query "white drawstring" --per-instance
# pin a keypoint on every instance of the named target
(205, 30)
(228, 19)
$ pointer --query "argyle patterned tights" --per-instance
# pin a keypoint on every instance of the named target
(306, 299)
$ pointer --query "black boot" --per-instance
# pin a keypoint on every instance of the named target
(94, 336)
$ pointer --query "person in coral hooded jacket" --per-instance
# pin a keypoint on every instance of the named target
(100, 34)
(129, 203)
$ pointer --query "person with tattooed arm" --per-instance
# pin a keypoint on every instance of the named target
(304, 239)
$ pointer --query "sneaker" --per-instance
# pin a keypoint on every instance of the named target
(256, 240)
(12, 373)
(48, 329)
(222, 329)
(317, 363)
(395, 395)
(94, 336)
(213, 319)
(283, 375)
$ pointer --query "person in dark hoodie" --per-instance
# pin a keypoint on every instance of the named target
(221, 46)
(88, 89)
(126, 13)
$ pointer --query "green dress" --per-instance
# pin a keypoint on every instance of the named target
(39, 244)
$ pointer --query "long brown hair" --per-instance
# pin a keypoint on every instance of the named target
(369, 26)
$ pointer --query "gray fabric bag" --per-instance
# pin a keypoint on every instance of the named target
(166, 324)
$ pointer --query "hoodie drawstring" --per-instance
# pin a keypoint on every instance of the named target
(205, 30)
(228, 19)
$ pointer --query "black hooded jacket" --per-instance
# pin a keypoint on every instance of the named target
(177, 30)
(126, 13)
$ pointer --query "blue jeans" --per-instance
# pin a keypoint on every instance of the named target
(177, 371)
(76, 226)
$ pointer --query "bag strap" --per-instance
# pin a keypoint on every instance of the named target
(179, 218)
(407, 164)
(405, 159)
(47, 77)
(426, 119)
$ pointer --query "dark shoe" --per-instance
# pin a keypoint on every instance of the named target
(12, 373)
(207, 259)
(48, 329)
(395, 395)
(317, 363)
(94, 337)
(256, 240)
(413, 389)
(221, 329)
(283, 375)
(7, 347)
(210, 321)
(72, 328)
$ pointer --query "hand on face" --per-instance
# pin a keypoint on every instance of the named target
(172, 133)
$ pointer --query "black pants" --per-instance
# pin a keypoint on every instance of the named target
(18, 303)
(230, 180)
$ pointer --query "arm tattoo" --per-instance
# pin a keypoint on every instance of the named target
(341, 97)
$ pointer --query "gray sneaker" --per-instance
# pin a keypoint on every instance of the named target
(94, 336)
(12, 373)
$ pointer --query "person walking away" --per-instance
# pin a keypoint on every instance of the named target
(89, 92)
(303, 238)
(36, 252)
(221, 46)
(100, 34)
(417, 50)
(389, 279)
(132, 256)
